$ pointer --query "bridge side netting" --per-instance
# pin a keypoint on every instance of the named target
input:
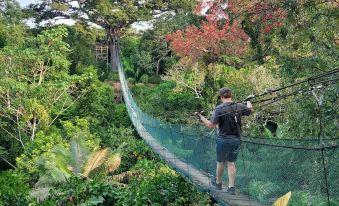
(266, 168)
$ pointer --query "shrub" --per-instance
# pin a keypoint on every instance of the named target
(134, 151)
(262, 190)
(155, 80)
(160, 185)
(131, 80)
(43, 144)
(144, 78)
(13, 191)
(77, 191)
(121, 117)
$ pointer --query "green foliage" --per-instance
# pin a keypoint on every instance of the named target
(36, 85)
(154, 80)
(62, 163)
(97, 104)
(121, 118)
(80, 128)
(12, 30)
(52, 94)
(165, 102)
(129, 45)
(144, 78)
(159, 185)
(14, 189)
(262, 190)
(135, 149)
(300, 198)
(309, 44)
(43, 144)
(76, 191)
(82, 39)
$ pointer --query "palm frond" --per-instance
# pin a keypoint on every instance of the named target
(44, 181)
(61, 159)
(79, 154)
(55, 168)
(40, 193)
(95, 160)
(283, 201)
(61, 151)
(57, 174)
(113, 162)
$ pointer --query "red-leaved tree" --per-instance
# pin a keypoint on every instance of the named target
(216, 35)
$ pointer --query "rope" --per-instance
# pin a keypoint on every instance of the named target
(286, 139)
(329, 81)
(292, 147)
(309, 79)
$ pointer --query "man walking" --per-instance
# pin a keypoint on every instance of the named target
(227, 116)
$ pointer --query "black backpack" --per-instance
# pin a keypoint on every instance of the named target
(233, 120)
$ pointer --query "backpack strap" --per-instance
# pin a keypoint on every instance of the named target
(237, 117)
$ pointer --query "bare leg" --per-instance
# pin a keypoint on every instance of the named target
(231, 173)
(220, 171)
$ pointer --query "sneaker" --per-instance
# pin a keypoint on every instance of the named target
(214, 183)
(231, 190)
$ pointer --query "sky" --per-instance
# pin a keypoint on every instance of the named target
(24, 3)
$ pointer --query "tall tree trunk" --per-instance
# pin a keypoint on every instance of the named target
(159, 60)
(112, 54)
(112, 34)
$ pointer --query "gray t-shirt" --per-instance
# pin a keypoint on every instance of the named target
(228, 117)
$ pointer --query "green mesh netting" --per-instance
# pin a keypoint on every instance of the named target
(266, 168)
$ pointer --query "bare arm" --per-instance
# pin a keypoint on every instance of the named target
(206, 121)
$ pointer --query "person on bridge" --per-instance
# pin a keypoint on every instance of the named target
(227, 117)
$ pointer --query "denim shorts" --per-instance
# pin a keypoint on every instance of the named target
(227, 149)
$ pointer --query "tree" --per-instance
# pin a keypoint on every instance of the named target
(110, 15)
(35, 87)
(11, 27)
(216, 35)
(188, 77)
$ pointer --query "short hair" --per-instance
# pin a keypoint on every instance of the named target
(225, 92)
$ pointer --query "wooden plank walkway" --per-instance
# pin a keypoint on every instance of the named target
(197, 177)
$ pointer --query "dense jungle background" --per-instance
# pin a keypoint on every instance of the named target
(65, 134)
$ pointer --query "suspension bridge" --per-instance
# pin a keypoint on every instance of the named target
(266, 168)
